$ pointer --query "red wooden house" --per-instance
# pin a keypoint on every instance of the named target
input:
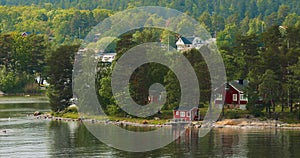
(232, 94)
(186, 113)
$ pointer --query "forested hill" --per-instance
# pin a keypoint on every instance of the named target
(251, 8)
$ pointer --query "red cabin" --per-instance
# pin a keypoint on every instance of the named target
(186, 113)
(232, 95)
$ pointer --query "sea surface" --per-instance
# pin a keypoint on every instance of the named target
(22, 135)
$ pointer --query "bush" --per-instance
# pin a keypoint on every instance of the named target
(112, 110)
(71, 115)
(72, 109)
(201, 105)
(233, 114)
(256, 110)
(236, 113)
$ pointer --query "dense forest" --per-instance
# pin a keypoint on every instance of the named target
(75, 18)
(226, 8)
(257, 39)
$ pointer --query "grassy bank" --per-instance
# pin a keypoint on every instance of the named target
(162, 118)
(167, 115)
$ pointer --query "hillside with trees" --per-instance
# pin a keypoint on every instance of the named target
(257, 39)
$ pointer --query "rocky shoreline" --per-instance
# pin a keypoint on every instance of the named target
(254, 123)
(227, 123)
(120, 123)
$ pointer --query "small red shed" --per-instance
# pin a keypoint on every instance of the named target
(186, 113)
(232, 95)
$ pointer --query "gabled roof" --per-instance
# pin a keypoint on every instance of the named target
(186, 108)
(187, 40)
(26, 33)
(238, 86)
(190, 40)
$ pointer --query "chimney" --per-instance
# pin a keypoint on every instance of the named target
(241, 81)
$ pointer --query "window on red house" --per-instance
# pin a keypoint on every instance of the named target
(182, 114)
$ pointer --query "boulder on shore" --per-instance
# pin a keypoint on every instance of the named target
(37, 113)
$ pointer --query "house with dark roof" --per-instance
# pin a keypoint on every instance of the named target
(232, 94)
(24, 34)
(186, 43)
(186, 113)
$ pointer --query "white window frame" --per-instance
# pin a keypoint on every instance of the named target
(243, 97)
(234, 97)
(177, 113)
(219, 97)
(182, 113)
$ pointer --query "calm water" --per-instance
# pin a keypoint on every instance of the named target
(28, 137)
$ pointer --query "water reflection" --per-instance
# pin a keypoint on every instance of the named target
(29, 137)
(72, 139)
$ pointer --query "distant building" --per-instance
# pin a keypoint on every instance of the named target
(184, 43)
(24, 34)
(186, 113)
(108, 57)
(232, 94)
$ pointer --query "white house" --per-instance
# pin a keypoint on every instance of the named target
(184, 43)
(108, 57)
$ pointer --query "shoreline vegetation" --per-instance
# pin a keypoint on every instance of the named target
(165, 120)
(71, 114)
(241, 123)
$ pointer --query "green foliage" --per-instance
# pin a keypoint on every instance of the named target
(247, 32)
(269, 88)
(113, 110)
(74, 19)
(64, 114)
(7, 80)
(71, 109)
(59, 72)
(236, 114)
(173, 90)
(71, 115)
(21, 59)
(233, 114)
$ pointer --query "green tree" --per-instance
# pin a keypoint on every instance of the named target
(59, 73)
(295, 78)
(206, 22)
(7, 80)
(269, 89)
(291, 20)
(282, 13)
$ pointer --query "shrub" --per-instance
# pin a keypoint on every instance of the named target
(233, 114)
(71, 115)
(72, 109)
(112, 110)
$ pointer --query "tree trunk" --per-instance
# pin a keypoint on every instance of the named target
(291, 103)
(282, 104)
(273, 106)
